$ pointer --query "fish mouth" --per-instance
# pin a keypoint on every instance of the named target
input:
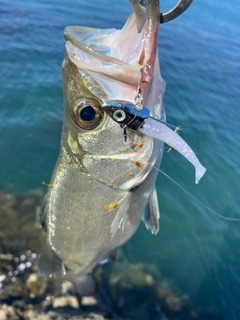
(126, 55)
(98, 59)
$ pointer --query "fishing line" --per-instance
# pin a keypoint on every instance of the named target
(194, 198)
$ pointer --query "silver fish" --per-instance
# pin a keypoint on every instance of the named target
(103, 183)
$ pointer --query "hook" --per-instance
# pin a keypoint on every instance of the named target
(180, 7)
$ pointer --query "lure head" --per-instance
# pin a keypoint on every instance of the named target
(126, 114)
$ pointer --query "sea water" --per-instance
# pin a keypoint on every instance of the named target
(196, 252)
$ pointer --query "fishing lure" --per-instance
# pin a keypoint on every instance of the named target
(127, 115)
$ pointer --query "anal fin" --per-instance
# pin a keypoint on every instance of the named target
(86, 285)
(50, 264)
(152, 214)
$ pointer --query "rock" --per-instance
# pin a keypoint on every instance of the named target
(66, 301)
(31, 314)
(37, 287)
(94, 316)
(89, 301)
(8, 313)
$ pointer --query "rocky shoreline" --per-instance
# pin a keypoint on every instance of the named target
(126, 291)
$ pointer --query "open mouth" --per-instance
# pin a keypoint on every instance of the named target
(104, 52)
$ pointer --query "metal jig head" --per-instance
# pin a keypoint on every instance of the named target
(127, 115)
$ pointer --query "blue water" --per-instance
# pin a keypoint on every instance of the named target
(196, 252)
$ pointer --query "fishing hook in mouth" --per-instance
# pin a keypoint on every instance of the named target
(176, 11)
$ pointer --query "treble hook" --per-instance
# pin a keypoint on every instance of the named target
(176, 11)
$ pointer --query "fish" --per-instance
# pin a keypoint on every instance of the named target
(103, 183)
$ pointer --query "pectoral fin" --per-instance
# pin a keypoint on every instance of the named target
(49, 263)
(152, 214)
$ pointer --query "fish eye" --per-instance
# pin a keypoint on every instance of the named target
(119, 115)
(87, 114)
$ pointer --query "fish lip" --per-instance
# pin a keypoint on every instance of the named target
(69, 37)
